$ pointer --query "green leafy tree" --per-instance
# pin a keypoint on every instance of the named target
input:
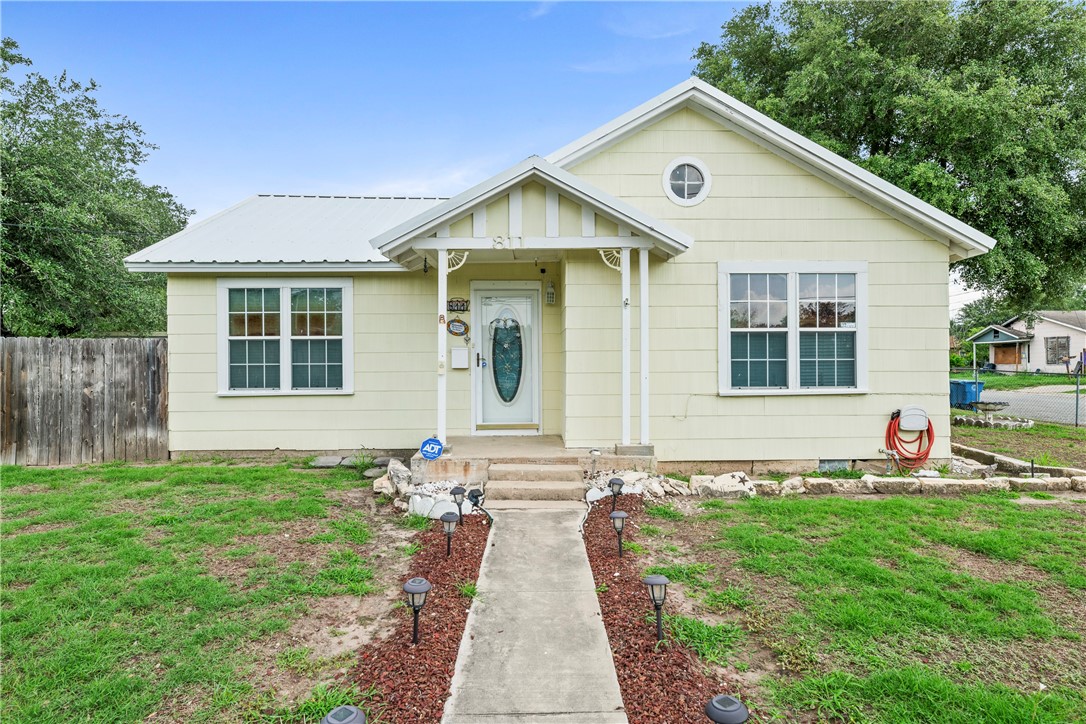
(72, 207)
(978, 107)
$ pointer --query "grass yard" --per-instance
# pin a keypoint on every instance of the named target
(1045, 443)
(895, 610)
(187, 592)
(1016, 381)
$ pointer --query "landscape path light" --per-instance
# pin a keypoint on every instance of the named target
(724, 709)
(416, 590)
(449, 520)
(458, 497)
(616, 490)
(618, 519)
(345, 714)
(657, 586)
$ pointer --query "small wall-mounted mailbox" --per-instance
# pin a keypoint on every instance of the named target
(460, 358)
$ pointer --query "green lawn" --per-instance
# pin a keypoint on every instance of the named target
(1045, 443)
(1017, 381)
(901, 609)
(128, 590)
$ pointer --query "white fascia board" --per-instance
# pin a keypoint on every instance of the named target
(964, 240)
(396, 240)
(266, 267)
(142, 254)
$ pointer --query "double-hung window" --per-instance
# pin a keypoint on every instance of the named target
(285, 336)
(792, 328)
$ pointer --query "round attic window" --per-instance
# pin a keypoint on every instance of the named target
(687, 181)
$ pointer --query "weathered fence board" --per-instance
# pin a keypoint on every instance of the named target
(70, 401)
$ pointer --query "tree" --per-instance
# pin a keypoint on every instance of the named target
(72, 207)
(977, 107)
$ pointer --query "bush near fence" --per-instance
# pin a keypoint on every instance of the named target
(71, 401)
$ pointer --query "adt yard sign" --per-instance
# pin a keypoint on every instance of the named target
(431, 449)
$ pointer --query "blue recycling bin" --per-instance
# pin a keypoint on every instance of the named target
(957, 393)
(971, 392)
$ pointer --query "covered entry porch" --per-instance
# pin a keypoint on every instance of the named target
(537, 235)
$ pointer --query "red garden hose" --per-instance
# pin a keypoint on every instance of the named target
(911, 454)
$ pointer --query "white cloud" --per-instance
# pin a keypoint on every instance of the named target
(541, 9)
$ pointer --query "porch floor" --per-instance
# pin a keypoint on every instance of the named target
(535, 447)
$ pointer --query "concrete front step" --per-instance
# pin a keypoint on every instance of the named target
(500, 505)
(522, 472)
(534, 490)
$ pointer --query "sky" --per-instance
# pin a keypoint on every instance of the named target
(361, 98)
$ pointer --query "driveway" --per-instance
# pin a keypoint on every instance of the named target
(1040, 403)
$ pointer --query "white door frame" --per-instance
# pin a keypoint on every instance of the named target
(537, 351)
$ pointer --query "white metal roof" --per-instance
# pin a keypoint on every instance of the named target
(964, 241)
(286, 232)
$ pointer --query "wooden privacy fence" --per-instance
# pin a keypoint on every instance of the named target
(67, 401)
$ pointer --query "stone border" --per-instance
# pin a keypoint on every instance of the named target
(1012, 465)
(999, 423)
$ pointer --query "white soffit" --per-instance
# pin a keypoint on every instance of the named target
(287, 233)
(964, 241)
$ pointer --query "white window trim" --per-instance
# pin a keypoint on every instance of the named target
(792, 269)
(285, 284)
(702, 167)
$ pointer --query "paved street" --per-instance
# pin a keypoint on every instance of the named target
(1044, 404)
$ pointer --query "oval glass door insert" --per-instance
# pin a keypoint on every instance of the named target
(506, 357)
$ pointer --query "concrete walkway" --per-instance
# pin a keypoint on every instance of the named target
(534, 649)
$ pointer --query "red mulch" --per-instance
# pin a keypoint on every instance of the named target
(413, 680)
(659, 684)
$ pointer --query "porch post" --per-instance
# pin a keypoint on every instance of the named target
(643, 280)
(442, 378)
(625, 269)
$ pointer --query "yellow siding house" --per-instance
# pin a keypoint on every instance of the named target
(691, 280)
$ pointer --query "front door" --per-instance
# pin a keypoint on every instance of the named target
(506, 345)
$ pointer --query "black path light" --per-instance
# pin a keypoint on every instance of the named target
(724, 709)
(618, 519)
(616, 490)
(345, 714)
(657, 586)
(416, 590)
(449, 520)
(458, 497)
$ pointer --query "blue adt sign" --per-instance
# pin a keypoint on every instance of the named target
(431, 449)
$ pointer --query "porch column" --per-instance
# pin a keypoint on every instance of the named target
(625, 269)
(442, 366)
(643, 280)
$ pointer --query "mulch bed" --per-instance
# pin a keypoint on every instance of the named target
(659, 684)
(412, 681)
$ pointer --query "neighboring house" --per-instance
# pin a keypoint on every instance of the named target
(691, 276)
(1054, 342)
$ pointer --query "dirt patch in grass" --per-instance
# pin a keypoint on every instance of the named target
(1053, 444)
(38, 528)
(412, 680)
(985, 568)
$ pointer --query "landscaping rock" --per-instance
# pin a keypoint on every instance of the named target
(382, 462)
(326, 461)
(793, 486)
(348, 462)
(400, 476)
(383, 486)
(654, 488)
(1030, 485)
(834, 486)
(633, 477)
(953, 487)
(1078, 483)
(401, 504)
(373, 473)
(729, 488)
(736, 477)
(766, 487)
(595, 494)
(678, 486)
(895, 486)
(697, 480)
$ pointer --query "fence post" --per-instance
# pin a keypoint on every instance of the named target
(1078, 395)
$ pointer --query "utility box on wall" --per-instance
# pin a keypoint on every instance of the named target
(459, 358)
